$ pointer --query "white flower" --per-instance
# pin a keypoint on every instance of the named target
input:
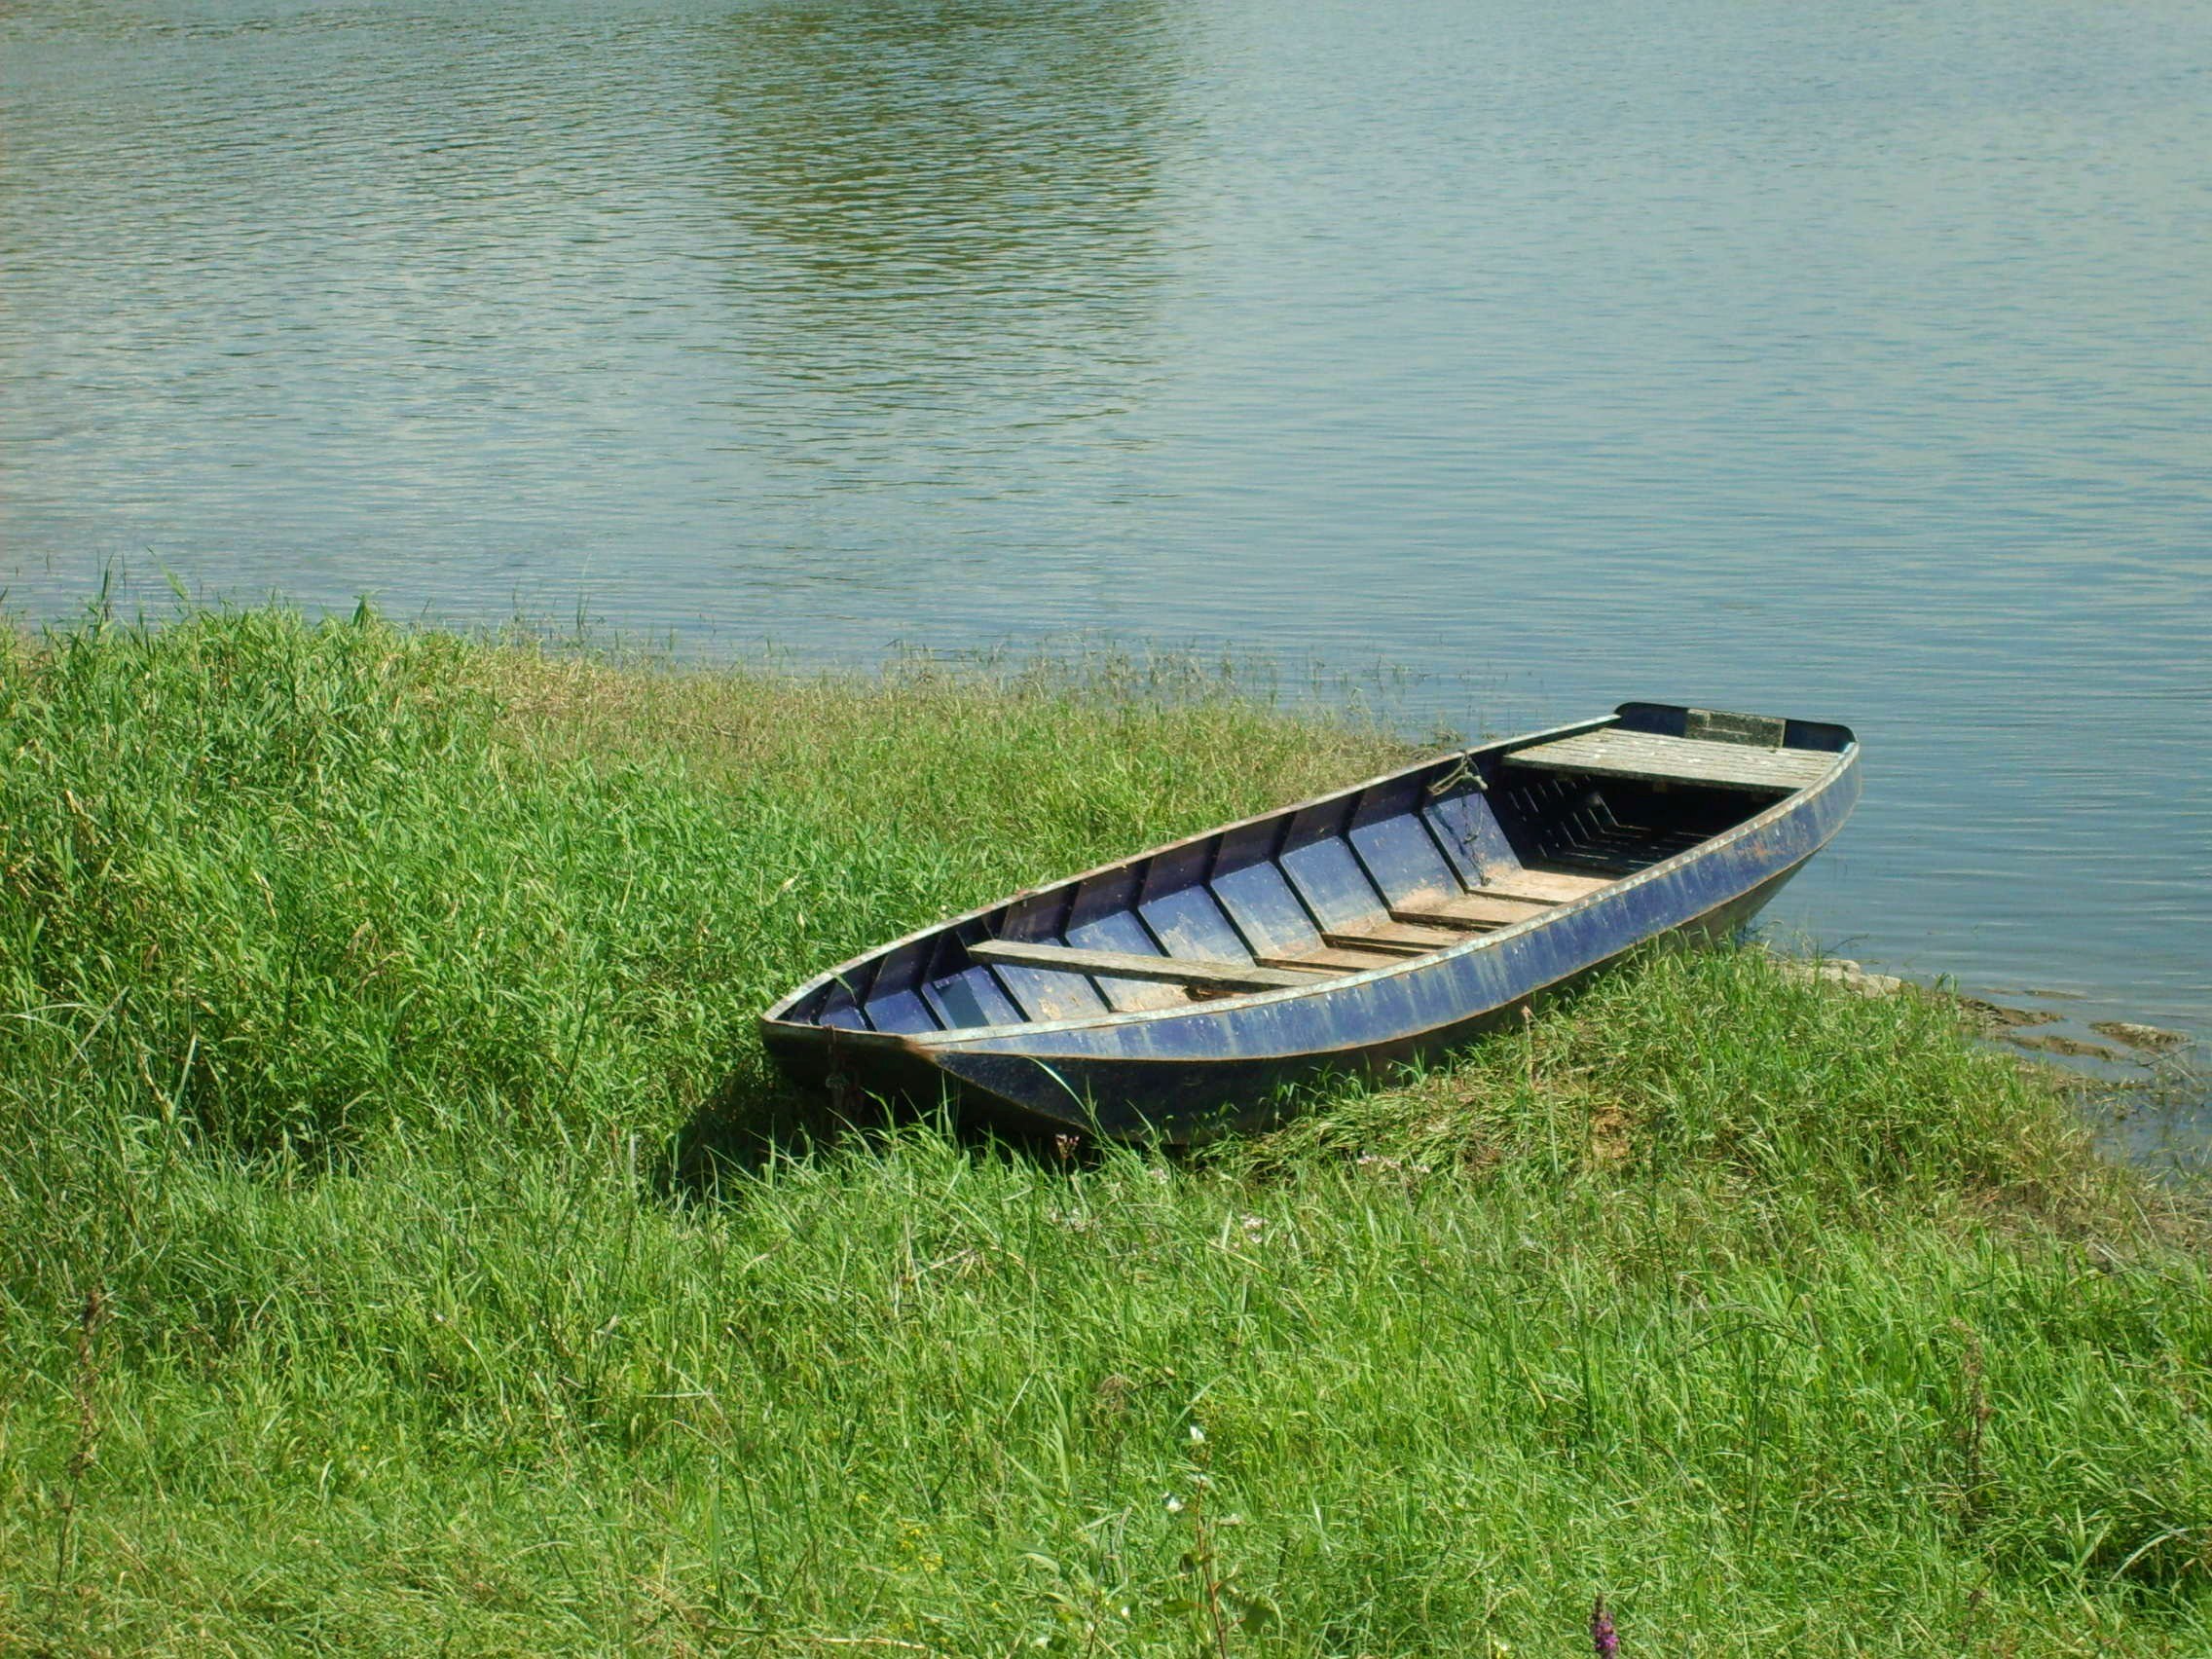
(1197, 1435)
(1174, 1505)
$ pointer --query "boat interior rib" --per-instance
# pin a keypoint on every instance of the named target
(1410, 865)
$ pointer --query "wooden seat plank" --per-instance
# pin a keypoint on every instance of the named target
(1124, 965)
(1614, 752)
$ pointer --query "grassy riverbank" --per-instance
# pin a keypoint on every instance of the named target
(371, 1006)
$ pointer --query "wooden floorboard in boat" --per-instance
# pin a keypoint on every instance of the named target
(1599, 869)
(1543, 886)
(1473, 912)
(1407, 939)
(1338, 959)
(1124, 965)
(1603, 858)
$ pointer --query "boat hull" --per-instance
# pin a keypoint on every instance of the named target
(1205, 1068)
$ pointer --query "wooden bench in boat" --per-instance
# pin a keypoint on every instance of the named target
(1614, 752)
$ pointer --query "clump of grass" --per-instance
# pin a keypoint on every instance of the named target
(1715, 1071)
(356, 983)
(304, 881)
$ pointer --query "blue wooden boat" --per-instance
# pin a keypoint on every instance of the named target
(1175, 994)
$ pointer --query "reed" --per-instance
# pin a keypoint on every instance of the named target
(375, 1275)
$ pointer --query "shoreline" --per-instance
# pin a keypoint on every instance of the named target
(2145, 1044)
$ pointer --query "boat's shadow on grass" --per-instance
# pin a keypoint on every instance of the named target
(753, 1122)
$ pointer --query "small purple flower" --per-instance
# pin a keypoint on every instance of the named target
(1601, 1637)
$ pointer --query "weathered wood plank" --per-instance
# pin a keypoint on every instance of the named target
(1409, 939)
(1614, 752)
(1543, 886)
(1124, 965)
(1475, 912)
(1338, 959)
(1723, 726)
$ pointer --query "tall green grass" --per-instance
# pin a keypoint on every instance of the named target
(362, 993)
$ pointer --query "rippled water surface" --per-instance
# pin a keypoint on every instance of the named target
(1849, 362)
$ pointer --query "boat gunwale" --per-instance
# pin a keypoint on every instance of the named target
(962, 1036)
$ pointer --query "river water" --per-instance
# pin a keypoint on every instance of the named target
(1851, 362)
